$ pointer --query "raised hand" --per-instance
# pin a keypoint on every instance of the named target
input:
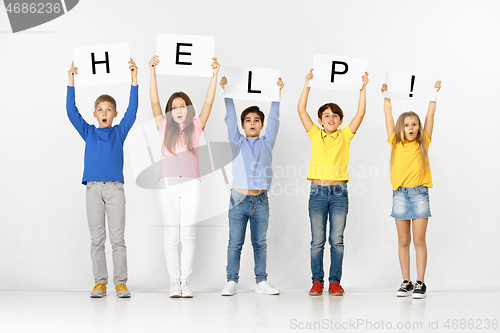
(384, 88)
(133, 69)
(365, 80)
(310, 75)
(215, 66)
(153, 63)
(438, 85)
(71, 74)
(280, 83)
(223, 82)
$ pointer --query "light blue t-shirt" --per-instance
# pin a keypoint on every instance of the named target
(252, 157)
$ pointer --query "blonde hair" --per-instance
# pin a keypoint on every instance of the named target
(420, 139)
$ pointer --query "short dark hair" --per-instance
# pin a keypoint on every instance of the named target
(105, 98)
(252, 109)
(333, 107)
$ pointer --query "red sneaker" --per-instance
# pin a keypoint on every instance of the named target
(335, 289)
(317, 289)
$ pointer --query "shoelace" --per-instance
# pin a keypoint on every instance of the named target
(405, 285)
(418, 286)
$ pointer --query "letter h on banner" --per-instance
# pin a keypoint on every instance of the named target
(92, 60)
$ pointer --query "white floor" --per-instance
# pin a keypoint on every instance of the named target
(28, 311)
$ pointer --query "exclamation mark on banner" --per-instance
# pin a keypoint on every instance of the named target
(412, 83)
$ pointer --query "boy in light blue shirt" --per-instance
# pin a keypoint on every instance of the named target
(252, 171)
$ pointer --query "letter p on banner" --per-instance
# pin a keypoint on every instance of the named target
(102, 64)
(185, 55)
(338, 72)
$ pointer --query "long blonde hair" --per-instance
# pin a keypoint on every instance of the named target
(420, 139)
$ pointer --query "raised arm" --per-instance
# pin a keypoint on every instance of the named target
(231, 120)
(153, 92)
(304, 116)
(429, 118)
(389, 120)
(358, 118)
(209, 99)
(273, 122)
(73, 114)
(71, 74)
(131, 114)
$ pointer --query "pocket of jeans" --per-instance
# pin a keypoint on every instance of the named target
(264, 200)
(118, 185)
(89, 185)
(314, 191)
(423, 190)
(236, 197)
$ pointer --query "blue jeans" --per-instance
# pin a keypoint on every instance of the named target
(242, 208)
(327, 201)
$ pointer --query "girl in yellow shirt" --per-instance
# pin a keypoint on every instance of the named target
(410, 179)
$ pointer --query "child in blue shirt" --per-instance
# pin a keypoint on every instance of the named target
(252, 171)
(103, 176)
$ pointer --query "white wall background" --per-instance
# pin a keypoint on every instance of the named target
(44, 239)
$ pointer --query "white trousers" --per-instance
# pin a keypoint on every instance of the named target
(178, 207)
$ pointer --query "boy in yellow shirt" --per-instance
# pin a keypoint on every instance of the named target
(328, 173)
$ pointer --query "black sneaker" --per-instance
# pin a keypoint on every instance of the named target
(420, 290)
(406, 289)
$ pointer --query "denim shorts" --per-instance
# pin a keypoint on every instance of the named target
(410, 203)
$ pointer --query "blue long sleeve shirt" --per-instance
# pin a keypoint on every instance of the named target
(103, 146)
(252, 157)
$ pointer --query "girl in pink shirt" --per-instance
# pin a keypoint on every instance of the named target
(179, 193)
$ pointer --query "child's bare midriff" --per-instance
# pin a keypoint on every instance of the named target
(249, 192)
(323, 182)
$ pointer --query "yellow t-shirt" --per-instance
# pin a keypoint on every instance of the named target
(329, 154)
(405, 171)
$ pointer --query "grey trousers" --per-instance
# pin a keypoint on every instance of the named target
(107, 198)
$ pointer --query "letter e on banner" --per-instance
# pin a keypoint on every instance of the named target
(256, 84)
(185, 55)
(102, 64)
(338, 72)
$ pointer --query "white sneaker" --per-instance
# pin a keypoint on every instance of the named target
(186, 290)
(264, 287)
(229, 289)
(175, 289)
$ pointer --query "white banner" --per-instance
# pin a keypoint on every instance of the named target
(250, 83)
(411, 85)
(185, 55)
(102, 64)
(338, 72)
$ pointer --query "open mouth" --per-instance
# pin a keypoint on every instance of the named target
(104, 121)
(179, 117)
